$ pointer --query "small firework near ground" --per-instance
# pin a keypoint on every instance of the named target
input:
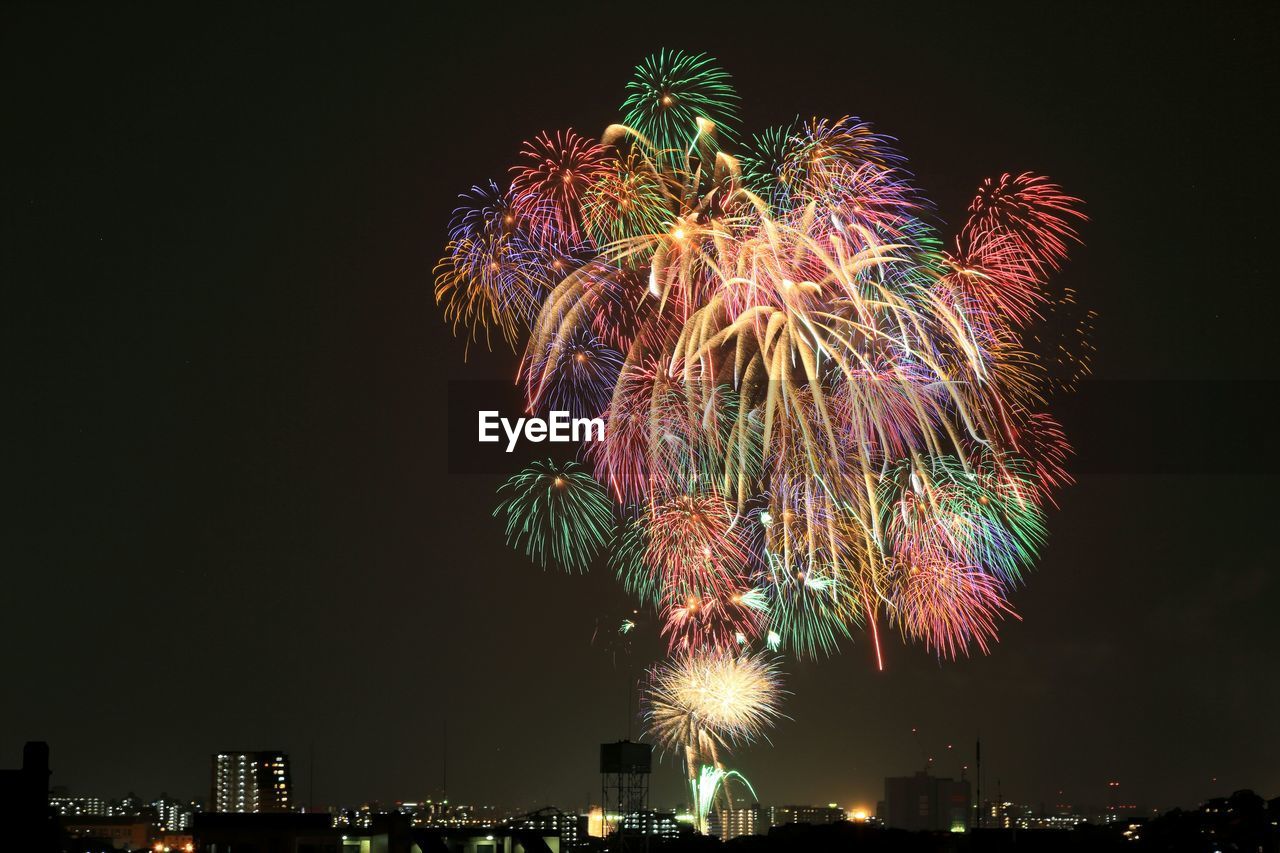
(825, 416)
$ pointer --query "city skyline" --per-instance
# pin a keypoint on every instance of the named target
(921, 810)
(239, 517)
(997, 791)
(1002, 808)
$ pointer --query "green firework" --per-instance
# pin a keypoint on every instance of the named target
(556, 513)
(670, 91)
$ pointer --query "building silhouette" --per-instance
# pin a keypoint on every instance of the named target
(924, 802)
(28, 821)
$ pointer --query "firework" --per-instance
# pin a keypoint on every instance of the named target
(1032, 211)
(781, 337)
(948, 606)
(710, 783)
(675, 97)
(693, 546)
(556, 513)
(809, 609)
(576, 375)
(698, 622)
(701, 702)
(971, 517)
(823, 413)
(494, 275)
(625, 201)
(763, 159)
(547, 188)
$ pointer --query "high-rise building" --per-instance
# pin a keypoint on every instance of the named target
(173, 815)
(251, 782)
(924, 802)
(728, 823)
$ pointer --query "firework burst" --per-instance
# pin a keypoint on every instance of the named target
(556, 513)
(673, 98)
(779, 337)
(824, 413)
(709, 700)
(547, 189)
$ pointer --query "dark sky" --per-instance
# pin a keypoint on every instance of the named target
(229, 520)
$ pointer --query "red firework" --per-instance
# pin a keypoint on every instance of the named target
(694, 623)
(994, 281)
(547, 187)
(696, 549)
(1030, 210)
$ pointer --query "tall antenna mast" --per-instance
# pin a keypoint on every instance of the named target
(311, 796)
(631, 689)
(978, 769)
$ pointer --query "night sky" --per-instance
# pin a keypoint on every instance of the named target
(230, 522)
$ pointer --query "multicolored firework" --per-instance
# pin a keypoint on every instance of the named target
(821, 416)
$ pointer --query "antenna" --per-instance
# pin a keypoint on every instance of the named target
(978, 774)
(633, 686)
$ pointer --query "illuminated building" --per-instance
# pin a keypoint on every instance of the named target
(595, 822)
(168, 814)
(124, 832)
(929, 803)
(421, 813)
(738, 821)
(661, 824)
(783, 815)
(571, 827)
(390, 832)
(251, 782)
(68, 806)
(173, 815)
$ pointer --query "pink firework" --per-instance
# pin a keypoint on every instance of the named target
(548, 186)
(947, 606)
